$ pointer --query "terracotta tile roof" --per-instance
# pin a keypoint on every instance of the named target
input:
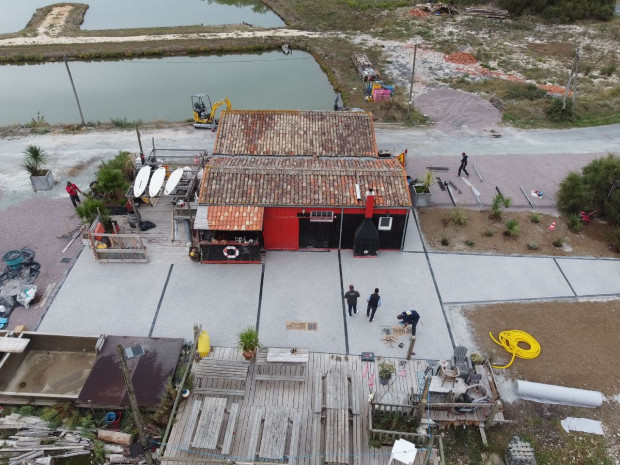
(229, 218)
(278, 181)
(296, 133)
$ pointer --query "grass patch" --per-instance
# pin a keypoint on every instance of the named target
(445, 241)
(459, 216)
(535, 218)
(123, 123)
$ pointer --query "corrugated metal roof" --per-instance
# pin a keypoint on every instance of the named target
(275, 181)
(288, 133)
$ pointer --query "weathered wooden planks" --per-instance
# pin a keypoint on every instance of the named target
(210, 423)
(230, 429)
(337, 436)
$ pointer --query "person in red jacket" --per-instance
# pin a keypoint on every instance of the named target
(73, 190)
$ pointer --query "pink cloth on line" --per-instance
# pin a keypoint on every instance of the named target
(365, 373)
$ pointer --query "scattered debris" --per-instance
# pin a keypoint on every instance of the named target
(583, 425)
(487, 12)
(364, 67)
(437, 8)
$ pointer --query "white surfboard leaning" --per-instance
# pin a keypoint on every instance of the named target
(157, 180)
(173, 180)
(142, 179)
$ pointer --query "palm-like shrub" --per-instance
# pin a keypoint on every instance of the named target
(34, 159)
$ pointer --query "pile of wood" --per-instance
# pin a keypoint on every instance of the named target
(437, 8)
(487, 12)
(35, 443)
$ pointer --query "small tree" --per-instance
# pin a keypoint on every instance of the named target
(498, 204)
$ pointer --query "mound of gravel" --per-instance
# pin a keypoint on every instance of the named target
(455, 109)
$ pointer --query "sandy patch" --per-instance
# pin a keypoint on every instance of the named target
(54, 22)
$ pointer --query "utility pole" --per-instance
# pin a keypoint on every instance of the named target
(139, 140)
(415, 52)
(74, 91)
(134, 405)
(572, 79)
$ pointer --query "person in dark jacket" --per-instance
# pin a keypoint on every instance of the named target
(463, 164)
(410, 317)
(374, 301)
(73, 190)
(351, 296)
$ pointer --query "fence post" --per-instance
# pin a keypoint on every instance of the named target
(423, 402)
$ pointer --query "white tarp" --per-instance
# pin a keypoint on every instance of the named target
(585, 425)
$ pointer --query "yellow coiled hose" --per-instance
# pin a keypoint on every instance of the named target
(510, 340)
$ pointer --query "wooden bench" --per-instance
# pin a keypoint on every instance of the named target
(190, 425)
(223, 369)
(210, 424)
(267, 377)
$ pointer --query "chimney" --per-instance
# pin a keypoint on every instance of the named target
(370, 203)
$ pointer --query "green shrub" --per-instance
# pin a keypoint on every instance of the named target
(532, 246)
(615, 239)
(557, 114)
(489, 233)
(445, 241)
(608, 69)
(535, 218)
(574, 223)
(559, 243)
(89, 208)
(470, 243)
(459, 216)
(588, 190)
(512, 227)
(498, 204)
(524, 91)
(123, 123)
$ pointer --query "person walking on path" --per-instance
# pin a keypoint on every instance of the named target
(410, 317)
(73, 190)
(374, 301)
(463, 164)
(351, 297)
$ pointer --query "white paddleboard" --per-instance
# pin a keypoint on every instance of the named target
(142, 179)
(157, 180)
(173, 180)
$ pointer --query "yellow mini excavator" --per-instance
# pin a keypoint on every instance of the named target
(204, 116)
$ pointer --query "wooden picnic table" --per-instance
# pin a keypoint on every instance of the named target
(283, 355)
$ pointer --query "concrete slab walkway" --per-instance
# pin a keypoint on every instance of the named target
(295, 298)
(302, 287)
(222, 298)
(463, 278)
(405, 282)
(106, 298)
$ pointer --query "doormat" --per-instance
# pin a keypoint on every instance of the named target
(396, 330)
(301, 326)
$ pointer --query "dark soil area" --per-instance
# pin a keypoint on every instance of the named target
(482, 233)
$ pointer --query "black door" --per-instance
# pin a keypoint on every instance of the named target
(318, 234)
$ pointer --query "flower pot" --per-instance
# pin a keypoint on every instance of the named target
(249, 355)
(384, 381)
(43, 183)
(421, 199)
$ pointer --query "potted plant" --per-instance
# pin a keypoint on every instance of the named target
(422, 190)
(34, 160)
(248, 342)
(385, 371)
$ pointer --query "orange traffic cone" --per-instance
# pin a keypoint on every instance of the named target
(552, 227)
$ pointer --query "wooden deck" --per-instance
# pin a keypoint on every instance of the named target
(306, 414)
(160, 246)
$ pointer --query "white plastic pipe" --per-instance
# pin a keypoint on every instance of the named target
(552, 394)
